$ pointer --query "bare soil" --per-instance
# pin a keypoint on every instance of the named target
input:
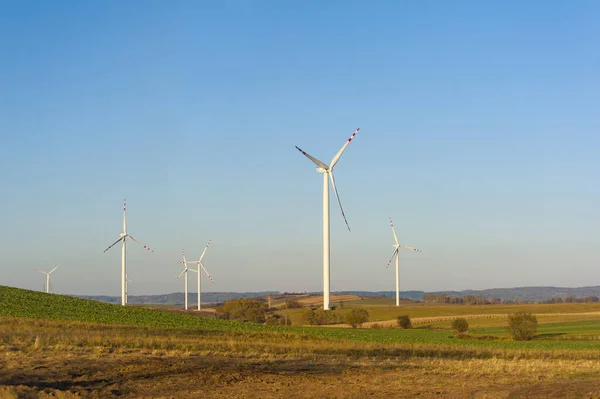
(86, 373)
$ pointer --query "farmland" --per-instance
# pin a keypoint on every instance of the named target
(382, 310)
(55, 345)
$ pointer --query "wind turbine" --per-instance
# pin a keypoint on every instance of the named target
(48, 289)
(201, 270)
(397, 247)
(122, 238)
(328, 174)
(185, 280)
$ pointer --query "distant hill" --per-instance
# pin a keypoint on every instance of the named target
(521, 293)
(414, 295)
(177, 298)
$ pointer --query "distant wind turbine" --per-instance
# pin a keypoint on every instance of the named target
(397, 247)
(185, 280)
(328, 174)
(48, 287)
(201, 270)
(122, 238)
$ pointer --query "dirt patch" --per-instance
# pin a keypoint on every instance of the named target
(140, 374)
(588, 388)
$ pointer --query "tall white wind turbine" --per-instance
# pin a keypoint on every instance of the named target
(122, 238)
(201, 270)
(328, 174)
(184, 273)
(397, 247)
(48, 288)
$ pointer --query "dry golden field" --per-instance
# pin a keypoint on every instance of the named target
(44, 359)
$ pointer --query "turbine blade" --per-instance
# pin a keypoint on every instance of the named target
(114, 243)
(181, 274)
(125, 216)
(41, 271)
(203, 252)
(206, 272)
(394, 254)
(49, 286)
(315, 160)
(394, 231)
(407, 247)
(54, 269)
(183, 255)
(337, 156)
(338, 199)
(139, 243)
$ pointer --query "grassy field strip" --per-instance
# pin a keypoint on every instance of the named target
(501, 322)
(429, 320)
(318, 300)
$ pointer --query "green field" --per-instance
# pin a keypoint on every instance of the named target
(552, 336)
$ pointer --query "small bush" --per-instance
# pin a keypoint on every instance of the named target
(320, 317)
(404, 322)
(460, 325)
(220, 313)
(272, 320)
(292, 304)
(522, 326)
(356, 317)
(376, 326)
(255, 315)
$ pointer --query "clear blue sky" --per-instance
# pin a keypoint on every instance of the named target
(479, 137)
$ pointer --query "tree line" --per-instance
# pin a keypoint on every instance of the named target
(460, 300)
(481, 300)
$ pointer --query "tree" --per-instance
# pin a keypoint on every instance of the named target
(404, 322)
(244, 310)
(292, 304)
(255, 315)
(460, 325)
(522, 326)
(356, 317)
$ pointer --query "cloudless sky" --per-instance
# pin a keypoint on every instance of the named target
(479, 137)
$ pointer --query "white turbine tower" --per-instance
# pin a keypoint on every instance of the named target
(48, 286)
(185, 280)
(122, 238)
(397, 247)
(328, 174)
(201, 270)
(127, 281)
